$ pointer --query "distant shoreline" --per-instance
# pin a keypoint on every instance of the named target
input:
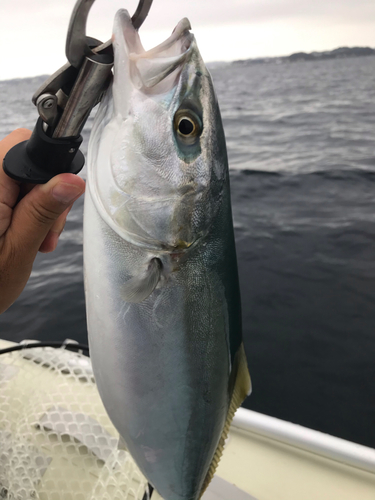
(339, 53)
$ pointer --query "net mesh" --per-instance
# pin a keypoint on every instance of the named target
(56, 440)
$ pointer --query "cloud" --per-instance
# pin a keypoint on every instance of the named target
(35, 30)
(165, 13)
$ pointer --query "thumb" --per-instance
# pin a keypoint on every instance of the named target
(36, 213)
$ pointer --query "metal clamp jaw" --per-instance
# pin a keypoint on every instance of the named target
(64, 103)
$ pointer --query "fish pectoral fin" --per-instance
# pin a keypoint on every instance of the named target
(242, 389)
(140, 287)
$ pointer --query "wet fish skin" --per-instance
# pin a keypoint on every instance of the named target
(157, 210)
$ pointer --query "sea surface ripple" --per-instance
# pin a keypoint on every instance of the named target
(301, 144)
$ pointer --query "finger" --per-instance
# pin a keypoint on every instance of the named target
(50, 241)
(35, 215)
(60, 222)
(18, 135)
(25, 188)
(9, 188)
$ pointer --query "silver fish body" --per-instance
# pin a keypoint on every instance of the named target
(161, 280)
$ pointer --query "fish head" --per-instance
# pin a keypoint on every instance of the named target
(164, 143)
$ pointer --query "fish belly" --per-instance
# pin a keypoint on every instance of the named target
(162, 366)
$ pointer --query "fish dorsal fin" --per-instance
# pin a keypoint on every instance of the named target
(140, 287)
(242, 389)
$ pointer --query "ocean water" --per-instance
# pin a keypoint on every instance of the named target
(301, 144)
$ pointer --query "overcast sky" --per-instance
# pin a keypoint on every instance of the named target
(32, 32)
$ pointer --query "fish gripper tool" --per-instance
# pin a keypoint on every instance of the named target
(64, 103)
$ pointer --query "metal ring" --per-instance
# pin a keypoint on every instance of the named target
(141, 13)
(76, 41)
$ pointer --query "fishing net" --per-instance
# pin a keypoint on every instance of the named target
(56, 440)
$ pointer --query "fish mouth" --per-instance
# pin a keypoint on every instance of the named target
(149, 68)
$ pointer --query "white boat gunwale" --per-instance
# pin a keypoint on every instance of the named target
(319, 443)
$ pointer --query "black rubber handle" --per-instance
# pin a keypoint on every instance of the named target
(41, 157)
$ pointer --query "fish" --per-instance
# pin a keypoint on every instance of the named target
(161, 279)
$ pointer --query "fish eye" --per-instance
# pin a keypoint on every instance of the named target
(188, 125)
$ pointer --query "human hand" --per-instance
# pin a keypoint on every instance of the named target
(32, 218)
